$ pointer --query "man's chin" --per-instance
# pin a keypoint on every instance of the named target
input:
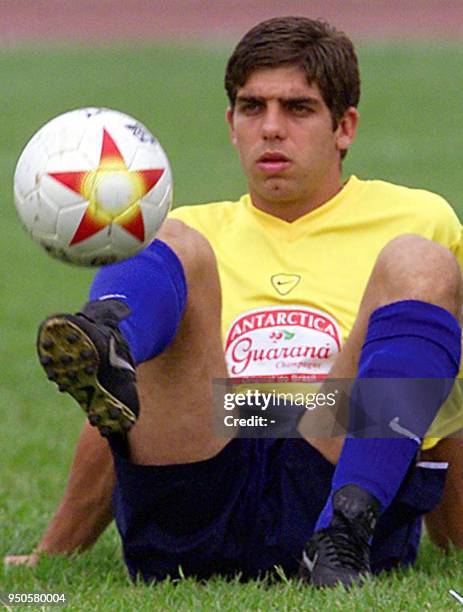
(275, 190)
(278, 191)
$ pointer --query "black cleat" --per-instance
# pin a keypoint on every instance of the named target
(91, 361)
(340, 553)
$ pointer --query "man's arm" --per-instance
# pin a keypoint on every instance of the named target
(85, 510)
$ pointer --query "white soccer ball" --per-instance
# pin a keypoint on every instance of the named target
(93, 186)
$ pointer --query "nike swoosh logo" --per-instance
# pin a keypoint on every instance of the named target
(395, 426)
(309, 563)
(115, 360)
(284, 283)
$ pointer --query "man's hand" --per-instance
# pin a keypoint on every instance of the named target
(28, 560)
(85, 510)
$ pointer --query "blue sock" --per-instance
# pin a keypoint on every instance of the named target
(419, 345)
(153, 285)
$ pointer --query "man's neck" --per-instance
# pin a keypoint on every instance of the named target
(292, 210)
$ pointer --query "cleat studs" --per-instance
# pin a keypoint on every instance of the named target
(66, 359)
(89, 369)
(86, 353)
(48, 344)
(105, 431)
(72, 375)
(126, 424)
(62, 388)
(51, 375)
(114, 412)
(72, 338)
(46, 360)
(94, 419)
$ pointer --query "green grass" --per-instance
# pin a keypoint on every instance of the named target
(410, 133)
(97, 581)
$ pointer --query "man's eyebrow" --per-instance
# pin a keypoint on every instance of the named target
(249, 98)
(284, 100)
(300, 100)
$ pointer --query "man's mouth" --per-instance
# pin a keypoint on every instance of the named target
(273, 162)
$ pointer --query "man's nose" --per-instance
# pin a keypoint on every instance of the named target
(273, 124)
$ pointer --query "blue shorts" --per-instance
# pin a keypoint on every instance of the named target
(248, 509)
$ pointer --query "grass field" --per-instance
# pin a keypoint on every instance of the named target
(410, 133)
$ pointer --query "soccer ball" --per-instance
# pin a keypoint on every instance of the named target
(93, 186)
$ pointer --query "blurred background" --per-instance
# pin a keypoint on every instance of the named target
(163, 62)
(106, 20)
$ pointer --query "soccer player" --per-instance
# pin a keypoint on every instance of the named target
(362, 277)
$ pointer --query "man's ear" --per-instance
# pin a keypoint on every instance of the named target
(347, 128)
(231, 127)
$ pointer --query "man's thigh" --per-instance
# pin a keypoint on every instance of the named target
(445, 523)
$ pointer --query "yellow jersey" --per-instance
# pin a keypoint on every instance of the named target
(291, 291)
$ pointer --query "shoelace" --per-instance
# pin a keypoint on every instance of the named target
(344, 547)
(112, 329)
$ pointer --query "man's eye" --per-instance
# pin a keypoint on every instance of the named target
(250, 107)
(300, 109)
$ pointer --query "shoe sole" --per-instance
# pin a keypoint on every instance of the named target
(70, 359)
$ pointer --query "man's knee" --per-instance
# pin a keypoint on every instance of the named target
(191, 247)
(415, 268)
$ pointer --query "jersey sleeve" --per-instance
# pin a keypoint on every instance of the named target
(457, 249)
(447, 227)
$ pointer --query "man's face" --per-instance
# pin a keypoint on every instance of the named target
(284, 134)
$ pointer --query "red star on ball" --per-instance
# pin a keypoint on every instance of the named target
(113, 192)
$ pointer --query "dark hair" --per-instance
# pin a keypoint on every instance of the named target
(326, 55)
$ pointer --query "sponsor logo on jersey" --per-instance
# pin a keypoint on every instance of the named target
(289, 342)
(284, 283)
